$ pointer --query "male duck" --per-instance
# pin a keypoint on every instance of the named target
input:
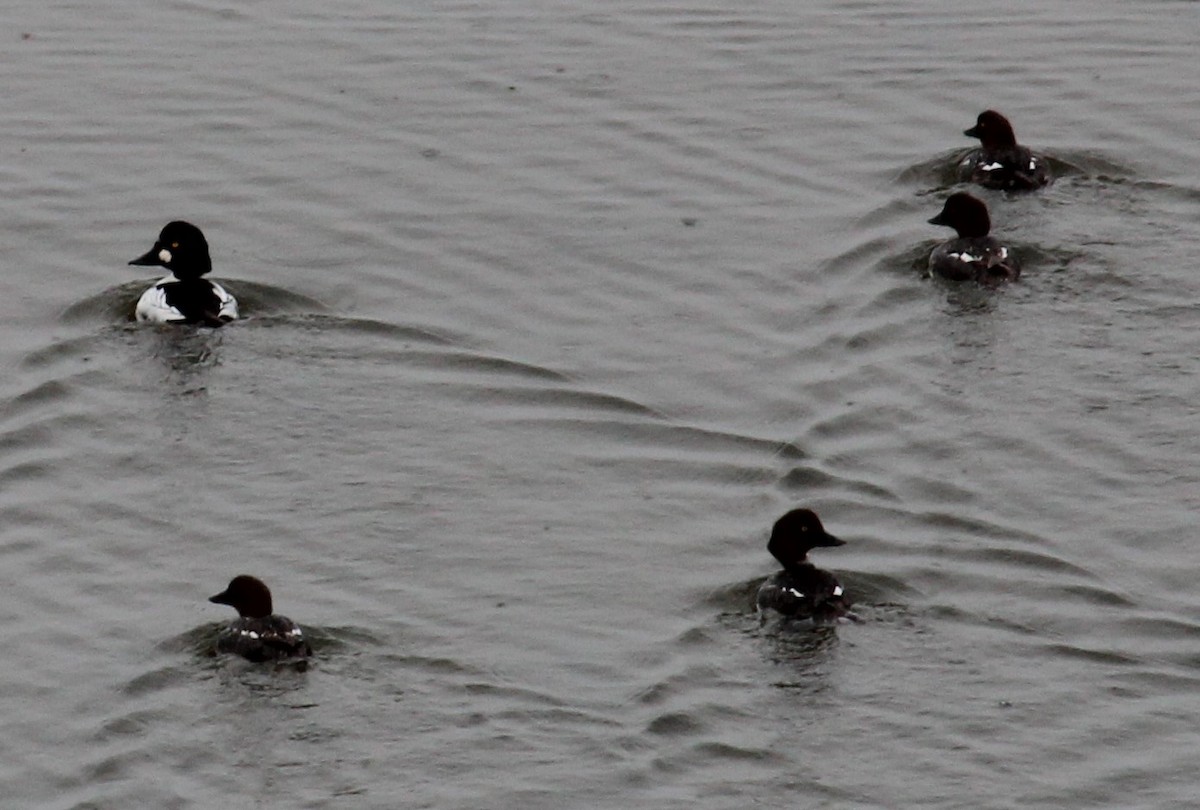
(183, 296)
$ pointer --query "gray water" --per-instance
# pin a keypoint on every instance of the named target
(553, 308)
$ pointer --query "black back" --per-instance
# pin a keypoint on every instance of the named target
(195, 299)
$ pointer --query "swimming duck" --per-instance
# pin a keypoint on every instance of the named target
(801, 590)
(973, 255)
(1001, 163)
(184, 296)
(258, 634)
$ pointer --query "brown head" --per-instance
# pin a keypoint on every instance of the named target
(247, 595)
(993, 130)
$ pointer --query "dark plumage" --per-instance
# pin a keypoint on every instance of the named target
(1001, 163)
(258, 634)
(801, 590)
(973, 255)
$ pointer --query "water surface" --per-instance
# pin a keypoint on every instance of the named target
(552, 310)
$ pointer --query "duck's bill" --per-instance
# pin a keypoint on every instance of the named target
(829, 541)
(150, 258)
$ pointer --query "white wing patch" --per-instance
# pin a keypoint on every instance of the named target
(255, 635)
(229, 307)
(964, 257)
(837, 591)
(794, 592)
(153, 306)
(991, 167)
(1032, 165)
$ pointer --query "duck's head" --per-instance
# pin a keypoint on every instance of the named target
(248, 595)
(181, 248)
(797, 533)
(967, 215)
(993, 130)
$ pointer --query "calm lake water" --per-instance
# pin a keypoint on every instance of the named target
(553, 308)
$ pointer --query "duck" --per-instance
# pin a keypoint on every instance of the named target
(1000, 162)
(184, 297)
(973, 255)
(258, 634)
(801, 590)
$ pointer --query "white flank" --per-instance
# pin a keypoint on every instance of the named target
(229, 307)
(153, 307)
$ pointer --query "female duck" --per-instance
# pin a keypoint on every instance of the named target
(183, 296)
(801, 590)
(258, 634)
(1001, 163)
(973, 255)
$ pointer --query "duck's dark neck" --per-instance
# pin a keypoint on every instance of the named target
(799, 568)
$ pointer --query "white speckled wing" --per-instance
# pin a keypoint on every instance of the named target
(153, 307)
(229, 307)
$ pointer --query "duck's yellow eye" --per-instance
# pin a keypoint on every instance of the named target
(174, 246)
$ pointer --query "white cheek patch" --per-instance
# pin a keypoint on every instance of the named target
(164, 256)
(991, 167)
